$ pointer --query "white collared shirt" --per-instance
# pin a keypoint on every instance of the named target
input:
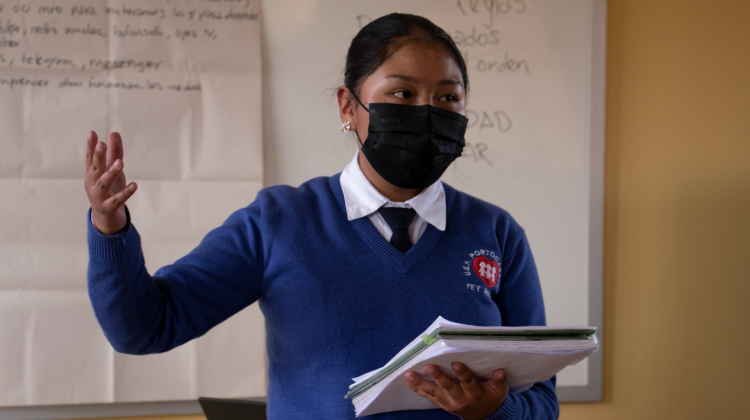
(362, 199)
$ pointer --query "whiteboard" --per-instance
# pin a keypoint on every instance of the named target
(534, 144)
(535, 135)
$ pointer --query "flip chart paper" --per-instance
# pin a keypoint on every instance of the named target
(180, 80)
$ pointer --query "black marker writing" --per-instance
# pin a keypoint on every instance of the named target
(8, 43)
(140, 65)
(83, 11)
(45, 29)
(473, 39)
(476, 152)
(507, 64)
(38, 60)
(23, 81)
(70, 83)
(363, 20)
(113, 85)
(70, 31)
(9, 27)
(497, 120)
(490, 8)
(88, 30)
(50, 10)
(127, 31)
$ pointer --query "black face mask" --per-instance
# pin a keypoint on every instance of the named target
(411, 146)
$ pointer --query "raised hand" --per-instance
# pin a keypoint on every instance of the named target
(470, 397)
(105, 183)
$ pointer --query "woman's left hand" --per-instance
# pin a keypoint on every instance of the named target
(471, 398)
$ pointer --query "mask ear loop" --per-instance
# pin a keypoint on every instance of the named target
(358, 101)
(365, 108)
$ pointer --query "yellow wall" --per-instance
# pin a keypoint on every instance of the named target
(677, 213)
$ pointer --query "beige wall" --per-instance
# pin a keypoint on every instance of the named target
(677, 214)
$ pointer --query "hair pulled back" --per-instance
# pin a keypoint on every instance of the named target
(379, 39)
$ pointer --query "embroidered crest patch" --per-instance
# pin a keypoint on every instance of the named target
(485, 264)
(486, 269)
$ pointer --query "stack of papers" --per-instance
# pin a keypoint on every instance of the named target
(528, 355)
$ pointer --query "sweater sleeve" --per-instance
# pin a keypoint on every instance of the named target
(521, 304)
(142, 313)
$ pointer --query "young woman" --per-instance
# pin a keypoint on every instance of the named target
(347, 269)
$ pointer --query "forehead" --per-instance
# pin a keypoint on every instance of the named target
(427, 61)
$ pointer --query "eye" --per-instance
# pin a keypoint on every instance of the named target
(449, 98)
(403, 94)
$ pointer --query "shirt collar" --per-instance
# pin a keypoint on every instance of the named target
(362, 199)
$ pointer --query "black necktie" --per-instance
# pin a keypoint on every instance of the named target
(399, 220)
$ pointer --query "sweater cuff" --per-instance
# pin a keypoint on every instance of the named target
(113, 248)
(506, 411)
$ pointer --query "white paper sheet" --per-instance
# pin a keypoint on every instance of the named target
(522, 369)
(525, 363)
(180, 80)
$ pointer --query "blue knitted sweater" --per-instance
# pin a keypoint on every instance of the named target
(338, 299)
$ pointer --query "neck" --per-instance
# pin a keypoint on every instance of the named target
(389, 191)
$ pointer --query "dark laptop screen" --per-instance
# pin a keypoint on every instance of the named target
(221, 409)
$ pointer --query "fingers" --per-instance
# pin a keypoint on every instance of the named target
(469, 381)
(471, 398)
(91, 142)
(115, 148)
(114, 203)
(109, 216)
(499, 382)
(97, 166)
(445, 382)
(104, 183)
(423, 388)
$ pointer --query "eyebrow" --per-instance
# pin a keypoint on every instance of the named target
(415, 80)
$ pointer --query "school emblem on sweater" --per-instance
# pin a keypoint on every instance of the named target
(486, 270)
(485, 265)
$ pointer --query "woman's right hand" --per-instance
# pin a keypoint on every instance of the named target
(105, 183)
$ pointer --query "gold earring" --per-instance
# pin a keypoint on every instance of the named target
(346, 127)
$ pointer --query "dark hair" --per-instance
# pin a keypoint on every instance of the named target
(379, 39)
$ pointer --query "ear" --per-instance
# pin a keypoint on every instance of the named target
(346, 106)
